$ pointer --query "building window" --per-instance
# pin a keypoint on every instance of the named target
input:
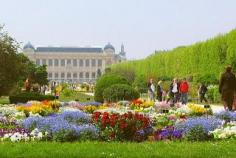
(93, 75)
(56, 62)
(49, 62)
(75, 75)
(81, 75)
(62, 62)
(56, 75)
(81, 62)
(68, 75)
(87, 63)
(93, 62)
(74, 62)
(44, 62)
(50, 75)
(99, 62)
(62, 75)
(37, 61)
(68, 62)
(87, 75)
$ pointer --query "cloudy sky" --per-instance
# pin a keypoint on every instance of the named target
(142, 25)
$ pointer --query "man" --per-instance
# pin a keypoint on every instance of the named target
(183, 88)
(202, 92)
(227, 88)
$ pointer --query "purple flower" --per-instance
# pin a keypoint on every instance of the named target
(170, 134)
(75, 122)
(226, 115)
(208, 124)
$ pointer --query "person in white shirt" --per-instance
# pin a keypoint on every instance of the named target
(151, 90)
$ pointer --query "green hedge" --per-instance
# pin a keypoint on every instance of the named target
(118, 92)
(27, 96)
(202, 61)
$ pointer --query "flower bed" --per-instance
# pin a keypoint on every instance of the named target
(138, 120)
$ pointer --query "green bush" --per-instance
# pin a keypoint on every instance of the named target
(213, 93)
(197, 134)
(27, 96)
(118, 92)
(104, 82)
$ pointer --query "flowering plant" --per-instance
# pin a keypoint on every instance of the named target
(68, 126)
(206, 124)
(228, 131)
(43, 108)
(114, 126)
(198, 110)
(168, 133)
(140, 104)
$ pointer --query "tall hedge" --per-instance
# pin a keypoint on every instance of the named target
(104, 82)
(200, 61)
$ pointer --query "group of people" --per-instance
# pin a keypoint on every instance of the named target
(178, 91)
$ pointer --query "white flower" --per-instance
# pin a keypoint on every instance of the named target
(40, 135)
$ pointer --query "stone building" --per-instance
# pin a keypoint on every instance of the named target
(74, 64)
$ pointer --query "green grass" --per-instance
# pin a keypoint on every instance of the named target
(75, 96)
(219, 149)
(4, 100)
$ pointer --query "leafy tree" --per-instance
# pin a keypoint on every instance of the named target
(40, 75)
(11, 66)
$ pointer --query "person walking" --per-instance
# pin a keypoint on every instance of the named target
(227, 88)
(174, 91)
(202, 92)
(184, 88)
(151, 90)
(159, 91)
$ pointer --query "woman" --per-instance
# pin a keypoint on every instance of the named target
(151, 90)
(174, 90)
(227, 88)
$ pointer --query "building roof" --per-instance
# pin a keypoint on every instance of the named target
(28, 45)
(109, 46)
(70, 49)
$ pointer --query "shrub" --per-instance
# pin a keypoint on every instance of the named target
(104, 82)
(213, 93)
(27, 96)
(120, 92)
(197, 133)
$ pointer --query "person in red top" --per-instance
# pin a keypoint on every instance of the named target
(183, 88)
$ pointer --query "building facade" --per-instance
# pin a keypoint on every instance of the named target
(74, 64)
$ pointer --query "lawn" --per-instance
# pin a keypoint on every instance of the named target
(218, 149)
(79, 96)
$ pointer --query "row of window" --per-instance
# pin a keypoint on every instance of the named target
(72, 62)
(69, 75)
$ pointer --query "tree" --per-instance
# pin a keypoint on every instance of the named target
(11, 66)
(16, 67)
(40, 75)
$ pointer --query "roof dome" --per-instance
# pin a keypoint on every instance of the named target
(109, 46)
(28, 45)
